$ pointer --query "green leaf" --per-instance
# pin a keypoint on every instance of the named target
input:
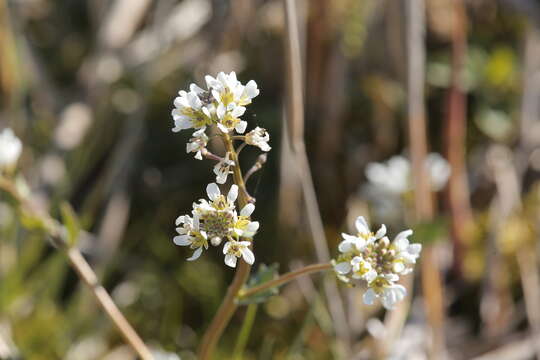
(264, 274)
(71, 222)
(430, 231)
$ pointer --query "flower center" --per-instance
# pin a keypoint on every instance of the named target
(381, 256)
(217, 223)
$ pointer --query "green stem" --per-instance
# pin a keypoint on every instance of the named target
(228, 306)
(243, 337)
(283, 279)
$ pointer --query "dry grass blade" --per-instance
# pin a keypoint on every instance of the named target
(431, 279)
(295, 118)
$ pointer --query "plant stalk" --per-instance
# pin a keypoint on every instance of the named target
(285, 278)
(228, 306)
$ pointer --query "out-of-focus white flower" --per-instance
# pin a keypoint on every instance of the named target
(234, 249)
(439, 171)
(164, 355)
(191, 235)
(223, 168)
(259, 137)
(373, 258)
(197, 143)
(10, 148)
(394, 176)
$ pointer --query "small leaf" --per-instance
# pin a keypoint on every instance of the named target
(264, 274)
(71, 222)
(32, 222)
(430, 231)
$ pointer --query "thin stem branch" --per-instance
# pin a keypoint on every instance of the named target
(261, 160)
(207, 154)
(285, 278)
(89, 278)
(240, 148)
(228, 306)
(84, 271)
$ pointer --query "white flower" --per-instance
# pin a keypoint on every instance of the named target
(234, 249)
(394, 176)
(222, 169)
(197, 143)
(373, 258)
(259, 137)
(363, 238)
(439, 171)
(406, 253)
(10, 148)
(229, 118)
(389, 295)
(190, 111)
(227, 89)
(242, 224)
(190, 235)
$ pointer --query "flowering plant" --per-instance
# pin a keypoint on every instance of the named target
(219, 108)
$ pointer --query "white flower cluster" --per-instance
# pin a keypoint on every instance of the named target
(216, 220)
(222, 104)
(372, 257)
(10, 148)
(394, 176)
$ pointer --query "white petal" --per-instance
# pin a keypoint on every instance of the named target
(251, 89)
(370, 275)
(230, 260)
(415, 249)
(348, 237)
(399, 267)
(345, 246)
(226, 247)
(404, 234)
(182, 240)
(213, 191)
(180, 220)
(220, 111)
(361, 225)
(233, 193)
(248, 256)
(401, 244)
(196, 254)
(343, 268)
(223, 128)
(251, 229)
(241, 127)
(381, 232)
(247, 210)
(238, 111)
(369, 297)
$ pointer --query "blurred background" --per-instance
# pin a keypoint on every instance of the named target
(88, 86)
